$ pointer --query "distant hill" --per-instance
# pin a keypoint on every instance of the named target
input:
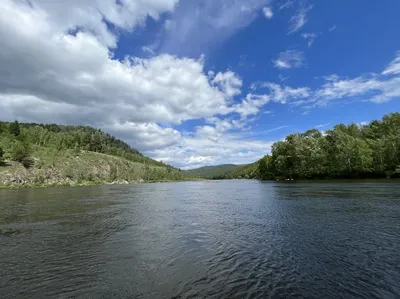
(209, 172)
(249, 171)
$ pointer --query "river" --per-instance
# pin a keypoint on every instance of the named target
(211, 239)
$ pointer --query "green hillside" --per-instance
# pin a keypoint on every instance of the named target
(249, 171)
(36, 154)
(209, 172)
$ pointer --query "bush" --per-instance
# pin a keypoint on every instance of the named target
(27, 162)
(20, 152)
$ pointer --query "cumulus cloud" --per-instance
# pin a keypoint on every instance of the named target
(268, 12)
(92, 15)
(228, 82)
(146, 136)
(250, 105)
(79, 71)
(210, 146)
(297, 21)
(289, 59)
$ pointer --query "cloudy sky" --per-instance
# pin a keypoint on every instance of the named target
(199, 82)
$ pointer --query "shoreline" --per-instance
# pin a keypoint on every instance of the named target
(88, 183)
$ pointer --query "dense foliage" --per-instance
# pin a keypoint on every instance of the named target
(371, 150)
(17, 140)
(353, 151)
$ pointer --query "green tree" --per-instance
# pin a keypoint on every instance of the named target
(264, 168)
(14, 129)
(20, 152)
(2, 127)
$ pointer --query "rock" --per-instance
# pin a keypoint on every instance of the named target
(120, 182)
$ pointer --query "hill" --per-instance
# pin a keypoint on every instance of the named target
(249, 171)
(37, 154)
(208, 172)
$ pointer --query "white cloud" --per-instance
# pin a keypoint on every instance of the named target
(287, 4)
(289, 59)
(148, 50)
(210, 22)
(283, 78)
(146, 136)
(210, 144)
(332, 28)
(394, 67)
(363, 124)
(297, 21)
(339, 88)
(322, 126)
(90, 15)
(280, 93)
(377, 88)
(228, 82)
(208, 147)
(310, 37)
(284, 94)
(53, 67)
(268, 12)
(250, 105)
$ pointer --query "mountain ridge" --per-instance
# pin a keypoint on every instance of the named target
(209, 172)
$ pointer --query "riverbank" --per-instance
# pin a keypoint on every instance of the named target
(60, 168)
(85, 184)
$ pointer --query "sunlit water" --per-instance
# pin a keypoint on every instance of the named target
(216, 239)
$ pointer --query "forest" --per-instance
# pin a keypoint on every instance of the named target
(353, 151)
(346, 151)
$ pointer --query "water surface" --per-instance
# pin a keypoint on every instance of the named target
(212, 239)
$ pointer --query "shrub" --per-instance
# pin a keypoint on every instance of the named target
(20, 153)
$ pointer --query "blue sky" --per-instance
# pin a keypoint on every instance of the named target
(202, 82)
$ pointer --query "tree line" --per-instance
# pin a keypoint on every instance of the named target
(352, 151)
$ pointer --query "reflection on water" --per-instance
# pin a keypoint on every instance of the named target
(227, 239)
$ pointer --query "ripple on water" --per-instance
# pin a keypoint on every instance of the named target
(228, 239)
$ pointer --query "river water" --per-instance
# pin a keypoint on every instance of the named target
(211, 239)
